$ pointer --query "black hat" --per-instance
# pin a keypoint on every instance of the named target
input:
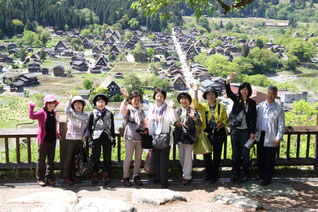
(210, 89)
(184, 94)
(100, 96)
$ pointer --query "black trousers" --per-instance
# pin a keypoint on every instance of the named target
(265, 159)
(212, 167)
(73, 147)
(46, 150)
(161, 164)
(98, 144)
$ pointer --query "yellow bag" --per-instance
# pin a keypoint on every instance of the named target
(202, 144)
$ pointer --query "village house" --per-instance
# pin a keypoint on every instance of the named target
(287, 96)
(45, 71)
(29, 79)
(179, 83)
(17, 86)
(129, 45)
(87, 44)
(80, 66)
(4, 58)
(112, 86)
(118, 75)
(84, 93)
(34, 67)
(11, 46)
(59, 71)
(60, 47)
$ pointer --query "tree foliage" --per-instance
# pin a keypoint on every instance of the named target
(132, 82)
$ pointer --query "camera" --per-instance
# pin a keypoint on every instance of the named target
(236, 123)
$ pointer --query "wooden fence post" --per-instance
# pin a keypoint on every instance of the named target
(63, 130)
(316, 149)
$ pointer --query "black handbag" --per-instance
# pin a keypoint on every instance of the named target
(215, 136)
(161, 141)
(146, 139)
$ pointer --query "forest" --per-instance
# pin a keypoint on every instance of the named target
(16, 15)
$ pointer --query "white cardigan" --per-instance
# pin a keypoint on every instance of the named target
(168, 119)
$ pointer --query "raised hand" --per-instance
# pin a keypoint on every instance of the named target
(231, 76)
(69, 95)
(194, 87)
(31, 102)
(123, 92)
(170, 103)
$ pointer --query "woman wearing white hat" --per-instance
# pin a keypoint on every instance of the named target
(76, 133)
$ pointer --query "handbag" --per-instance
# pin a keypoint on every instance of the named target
(146, 139)
(148, 167)
(215, 136)
(161, 141)
(83, 164)
(202, 144)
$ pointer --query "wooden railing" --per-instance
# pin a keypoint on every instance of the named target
(294, 134)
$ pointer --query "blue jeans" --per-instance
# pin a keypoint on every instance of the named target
(240, 154)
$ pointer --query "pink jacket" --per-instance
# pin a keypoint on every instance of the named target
(41, 116)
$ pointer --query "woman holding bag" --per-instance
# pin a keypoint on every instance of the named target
(214, 119)
(134, 118)
(160, 116)
(243, 126)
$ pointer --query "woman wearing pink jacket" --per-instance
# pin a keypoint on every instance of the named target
(46, 137)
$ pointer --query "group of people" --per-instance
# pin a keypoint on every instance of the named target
(194, 126)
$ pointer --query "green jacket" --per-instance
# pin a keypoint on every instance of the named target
(218, 118)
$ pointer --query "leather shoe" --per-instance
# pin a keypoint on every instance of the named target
(41, 183)
(243, 179)
(234, 178)
(50, 182)
(164, 185)
(185, 182)
(127, 182)
(137, 181)
(264, 182)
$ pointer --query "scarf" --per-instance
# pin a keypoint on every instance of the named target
(138, 113)
(158, 115)
(99, 113)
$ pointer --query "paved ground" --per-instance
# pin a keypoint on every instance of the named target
(285, 194)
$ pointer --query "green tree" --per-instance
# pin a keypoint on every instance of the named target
(291, 63)
(219, 66)
(133, 24)
(150, 52)
(22, 54)
(303, 50)
(132, 82)
(18, 25)
(263, 60)
(29, 37)
(85, 33)
(157, 82)
(259, 43)
(43, 55)
(151, 7)
(97, 90)
(87, 84)
(229, 26)
(76, 43)
(245, 50)
(66, 27)
(204, 23)
(302, 114)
